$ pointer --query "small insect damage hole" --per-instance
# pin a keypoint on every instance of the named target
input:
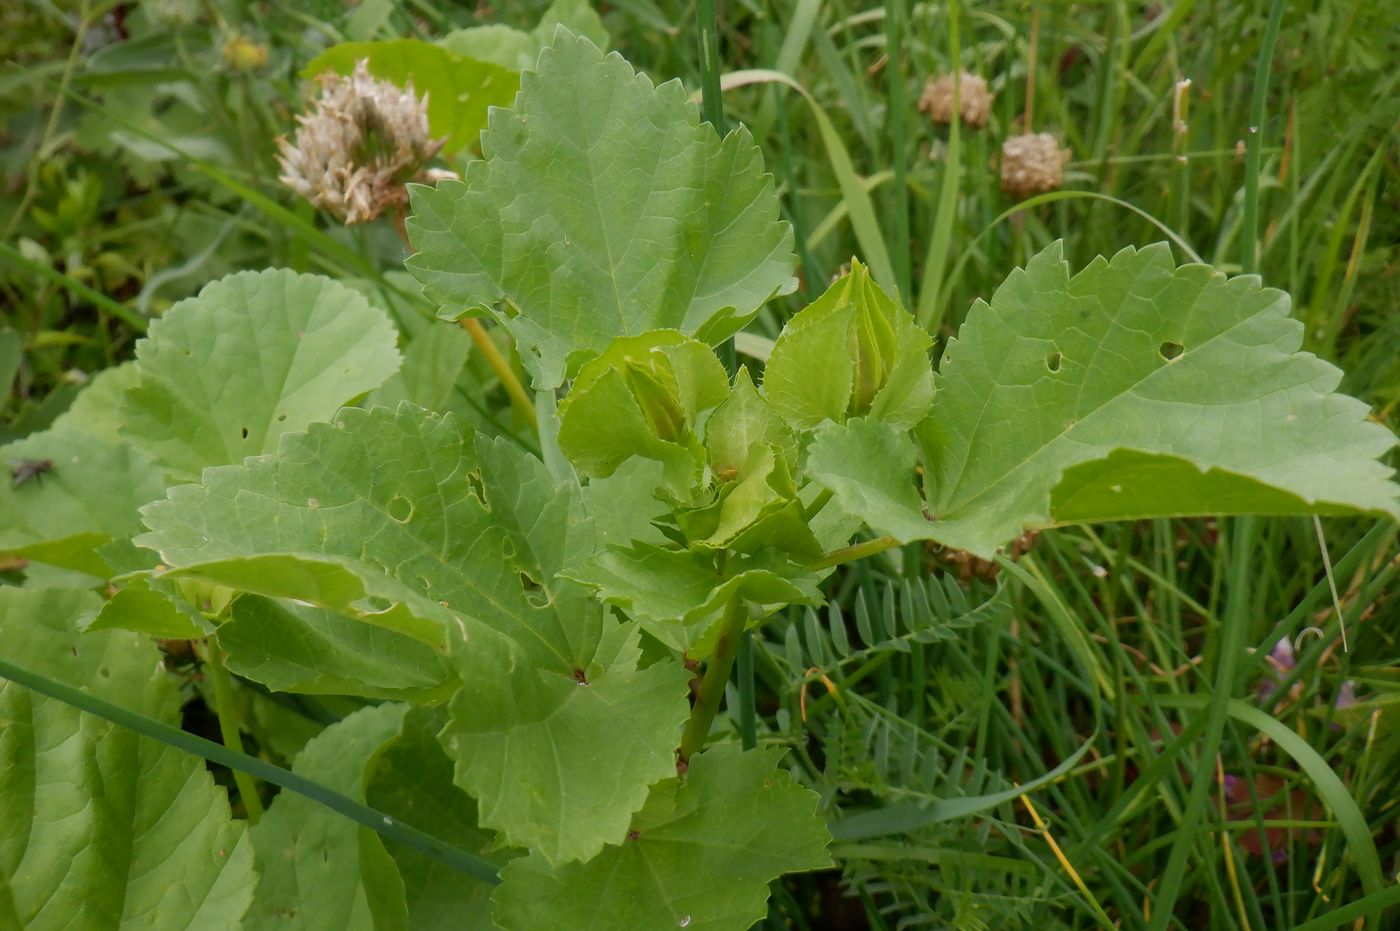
(1170, 350)
(244, 432)
(1053, 360)
(400, 509)
(478, 490)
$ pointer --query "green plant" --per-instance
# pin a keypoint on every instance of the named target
(520, 630)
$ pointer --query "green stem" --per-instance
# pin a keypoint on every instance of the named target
(712, 108)
(501, 366)
(894, 95)
(702, 716)
(1254, 141)
(931, 303)
(229, 727)
(855, 551)
(1232, 643)
(748, 710)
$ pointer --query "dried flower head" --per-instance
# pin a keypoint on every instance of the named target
(364, 141)
(1032, 164)
(974, 100)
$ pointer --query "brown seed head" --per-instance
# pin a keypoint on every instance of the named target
(974, 100)
(1031, 164)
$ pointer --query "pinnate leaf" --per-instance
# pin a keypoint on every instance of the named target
(700, 855)
(604, 208)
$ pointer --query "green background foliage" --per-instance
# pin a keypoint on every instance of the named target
(428, 607)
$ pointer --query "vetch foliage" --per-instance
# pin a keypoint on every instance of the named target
(535, 648)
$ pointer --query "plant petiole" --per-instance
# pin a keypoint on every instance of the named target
(702, 715)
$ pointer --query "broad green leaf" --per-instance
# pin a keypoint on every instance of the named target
(621, 510)
(852, 352)
(604, 208)
(297, 648)
(522, 710)
(410, 779)
(1132, 389)
(96, 411)
(318, 869)
(745, 421)
(89, 498)
(869, 468)
(253, 356)
(700, 855)
(353, 517)
(405, 511)
(678, 596)
(518, 50)
(103, 828)
(460, 89)
(643, 397)
(141, 608)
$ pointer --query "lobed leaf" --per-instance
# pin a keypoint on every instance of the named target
(318, 869)
(700, 855)
(1132, 389)
(679, 597)
(253, 356)
(604, 208)
(458, 542)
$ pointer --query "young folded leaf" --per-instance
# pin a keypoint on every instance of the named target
(852, 352)
(643, 397)
(604, 208)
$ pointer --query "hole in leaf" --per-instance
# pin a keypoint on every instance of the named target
(1170, 350)
(400, 508)
(478, 490)
(1052, 361)
(245, 433)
